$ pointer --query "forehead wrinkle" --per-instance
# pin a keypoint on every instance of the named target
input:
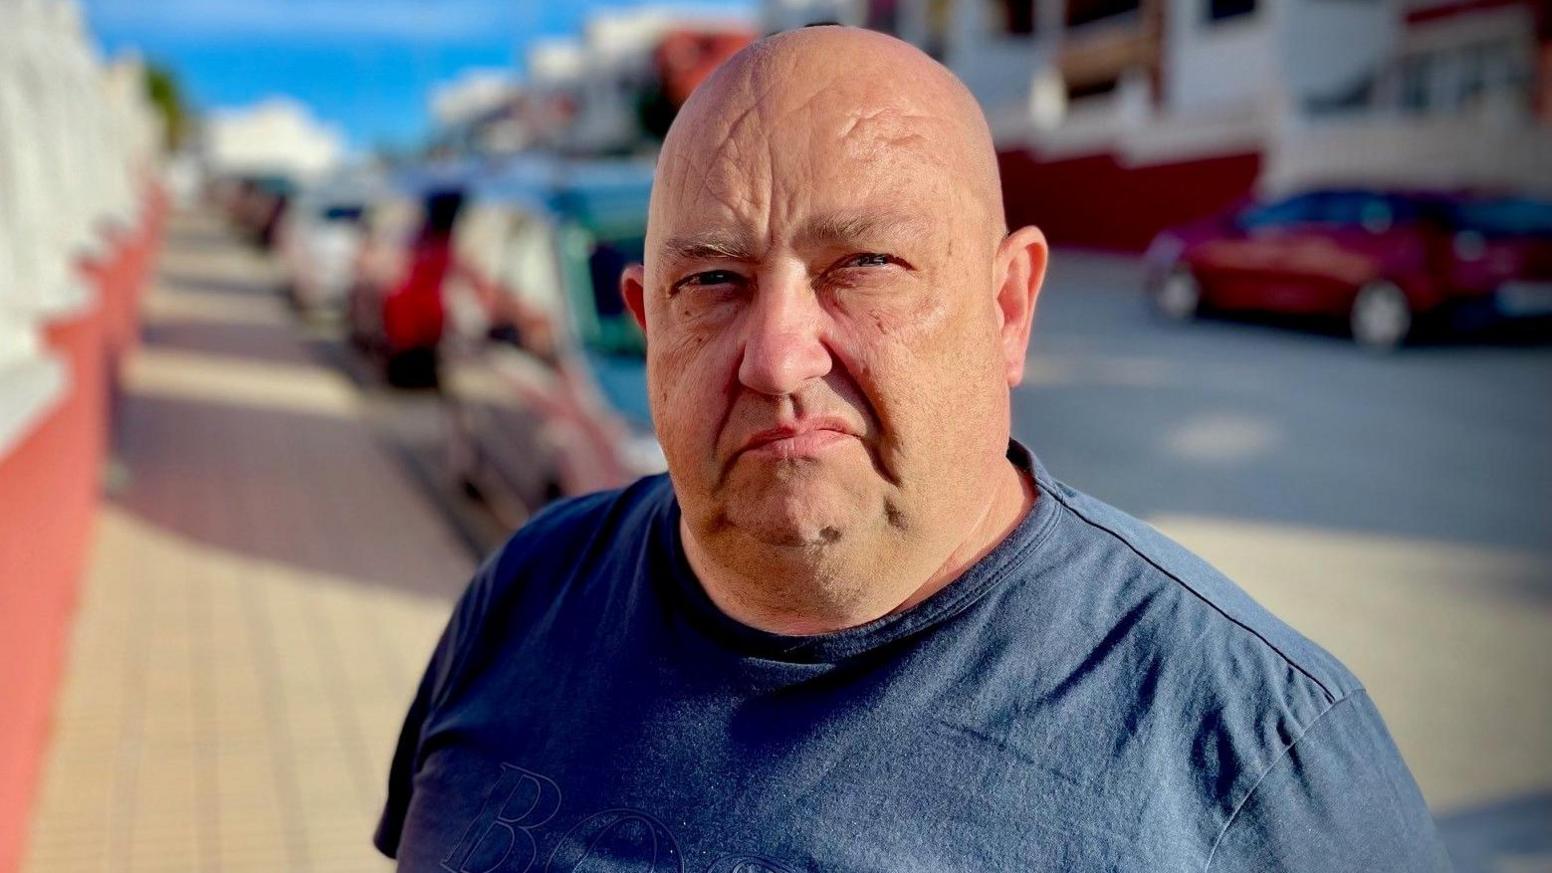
(724, 169)
(746, 86)
(737, 245)
(845, 227)
(862, 118)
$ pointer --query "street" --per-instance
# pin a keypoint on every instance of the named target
(1392, 508)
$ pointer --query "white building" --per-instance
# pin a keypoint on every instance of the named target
(474, 93)
(587, 88)
(481, 112)
(276, 137)
(1455, 103)
(1185, 105)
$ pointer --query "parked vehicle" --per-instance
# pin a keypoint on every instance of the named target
(544, 367)
(1387, 262)
(320, 239)
(255, 204)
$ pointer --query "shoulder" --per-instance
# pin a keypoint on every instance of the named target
(1344, 779)
(1160, 638)
(1200, 599)
(1170, 643)
(566, 544)
(569, 535)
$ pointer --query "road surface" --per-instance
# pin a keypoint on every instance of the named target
(1397, 509)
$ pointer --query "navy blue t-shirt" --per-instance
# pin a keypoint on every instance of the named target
(1087, 697)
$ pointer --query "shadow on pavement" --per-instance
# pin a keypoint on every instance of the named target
(1511, 835)
(293, 488)
(252, 342)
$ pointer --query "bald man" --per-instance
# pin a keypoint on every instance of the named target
(856, 627)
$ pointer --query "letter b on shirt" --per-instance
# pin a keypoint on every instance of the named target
(499, 840)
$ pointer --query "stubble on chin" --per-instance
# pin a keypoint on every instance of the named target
(801, 507)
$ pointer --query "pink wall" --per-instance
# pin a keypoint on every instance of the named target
(49, 493)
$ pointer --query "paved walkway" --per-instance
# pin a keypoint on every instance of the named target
(265, 588)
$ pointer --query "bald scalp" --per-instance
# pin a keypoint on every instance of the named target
(871, 98)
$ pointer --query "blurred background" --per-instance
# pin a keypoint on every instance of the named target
(306, 304)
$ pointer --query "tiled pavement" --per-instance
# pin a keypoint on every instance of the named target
(265, 587)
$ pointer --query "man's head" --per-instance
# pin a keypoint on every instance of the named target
(834, 313)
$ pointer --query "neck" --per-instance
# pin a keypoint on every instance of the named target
(825, 589)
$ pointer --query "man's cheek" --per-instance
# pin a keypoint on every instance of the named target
(692, 411)
(689, 340)
(904, 312)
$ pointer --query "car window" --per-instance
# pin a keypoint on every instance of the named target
(608, 258)
(1507, 216)
(1281, 213)
(1372, 212)
(441, 213)
(605, 263)
(345, 213)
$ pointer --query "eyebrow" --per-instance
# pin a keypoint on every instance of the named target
(843, 228)
(840, 228)
(710, 245)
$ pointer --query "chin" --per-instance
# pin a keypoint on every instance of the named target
(791, 508)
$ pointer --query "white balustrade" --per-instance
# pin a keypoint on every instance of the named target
(76, 140)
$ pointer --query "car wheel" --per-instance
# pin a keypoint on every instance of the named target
(1381, 317)
(1179, 297)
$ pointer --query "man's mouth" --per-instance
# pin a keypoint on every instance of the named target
(799, 440)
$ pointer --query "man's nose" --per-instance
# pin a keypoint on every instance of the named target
(783, 346)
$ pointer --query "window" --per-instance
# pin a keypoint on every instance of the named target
(442, 213)
(883, 15)
(1375, 213)
(1281, 213)
(1219, 10)
(1415, 74)
(1013, 17)
(1081, 12)
(605, 263)
(1473, 74)
(1508, 216)
(617, 333)
(348, 213)
(1100, 87)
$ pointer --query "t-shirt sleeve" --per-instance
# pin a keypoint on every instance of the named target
(450, 652)
(1339, 799)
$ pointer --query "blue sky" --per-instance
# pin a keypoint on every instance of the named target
(363, 65)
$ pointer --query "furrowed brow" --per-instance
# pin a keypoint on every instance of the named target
(712, 246)
(848, 228)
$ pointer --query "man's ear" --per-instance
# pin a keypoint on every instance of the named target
(633, 290)
(1021, 260)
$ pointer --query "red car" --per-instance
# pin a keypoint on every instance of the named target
(1384, 261)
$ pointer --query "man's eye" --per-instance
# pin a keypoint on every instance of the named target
(867, 259)
(709, 279)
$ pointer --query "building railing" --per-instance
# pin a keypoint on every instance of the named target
(76, 140)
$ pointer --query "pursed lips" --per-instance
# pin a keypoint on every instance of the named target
(804, 437)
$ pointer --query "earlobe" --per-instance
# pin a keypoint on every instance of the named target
(633, 291)
(1022, 257)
